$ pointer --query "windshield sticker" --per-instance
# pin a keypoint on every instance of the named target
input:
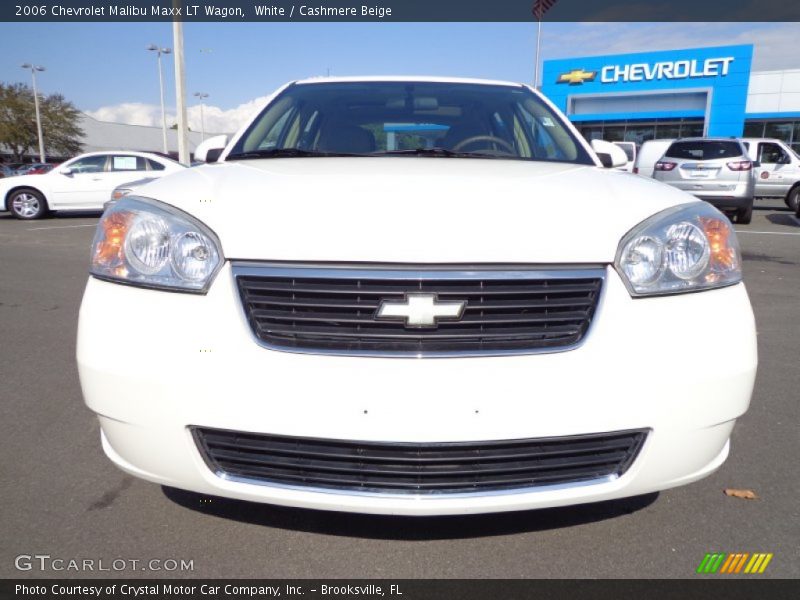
(124, 163)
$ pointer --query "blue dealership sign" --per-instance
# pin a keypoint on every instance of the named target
(698, 82)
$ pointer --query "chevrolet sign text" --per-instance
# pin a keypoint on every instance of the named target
(678, 69)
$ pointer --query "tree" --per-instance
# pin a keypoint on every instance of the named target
(60, 122)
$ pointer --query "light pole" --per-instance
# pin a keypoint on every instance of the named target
(180, 89)
(33, 69)
(159, 51)
(202, 96)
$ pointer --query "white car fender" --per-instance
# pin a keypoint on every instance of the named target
(36, 182)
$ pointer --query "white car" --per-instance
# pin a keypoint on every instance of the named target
(415, 296)
(82, 183)
(777, 170)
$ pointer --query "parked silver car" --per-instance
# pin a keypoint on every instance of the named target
(717, 170)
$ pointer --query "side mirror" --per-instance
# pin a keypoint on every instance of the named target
(210, 149)
(65, 171)
(610, 155)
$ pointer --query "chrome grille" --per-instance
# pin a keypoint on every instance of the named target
(417, 468)
(333, 309)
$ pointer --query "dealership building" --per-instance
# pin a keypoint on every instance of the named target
(102, 136)
(675, 93)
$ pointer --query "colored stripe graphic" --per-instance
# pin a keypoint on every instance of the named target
(741, 562)
(724, 563)
(718, 563)
(764, 564)
(711, 562)
(753, 563)
(758, 563)
(742, 557)
(703, 563)
(731, 560)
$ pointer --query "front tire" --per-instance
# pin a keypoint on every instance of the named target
(27, 204)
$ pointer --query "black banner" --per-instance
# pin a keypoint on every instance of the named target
(397, 10)
(702, 588)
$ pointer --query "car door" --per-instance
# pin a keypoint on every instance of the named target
(79, 184)
(777, 172)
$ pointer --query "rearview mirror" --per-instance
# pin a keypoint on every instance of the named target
(65, 171)
(210, 149)
(610, 155)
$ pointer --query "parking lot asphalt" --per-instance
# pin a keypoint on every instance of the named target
(62, 497)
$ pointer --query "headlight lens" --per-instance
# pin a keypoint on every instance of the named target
(682, 249)
(144, 242)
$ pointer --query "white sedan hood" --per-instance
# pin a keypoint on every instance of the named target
(415, 209)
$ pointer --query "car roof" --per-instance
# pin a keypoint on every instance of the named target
(708, 139)
(150, 155)
(762, 140)
(132, 152)
(405, 78)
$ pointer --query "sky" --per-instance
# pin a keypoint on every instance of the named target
(105, 70)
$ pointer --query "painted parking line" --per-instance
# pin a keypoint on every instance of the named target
(62, 227)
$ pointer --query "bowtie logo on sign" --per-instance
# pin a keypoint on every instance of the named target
(576, 77)
(677, 69)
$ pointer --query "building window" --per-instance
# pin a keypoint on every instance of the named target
(641, 131)
(668, 131)
(779, 131)
(691, 130)
(754, 129)
(785, 130)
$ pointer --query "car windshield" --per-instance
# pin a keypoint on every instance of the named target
(704, 150)
(460, 120)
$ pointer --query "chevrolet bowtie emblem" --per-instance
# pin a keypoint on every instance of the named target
(577, 76)
(420, 310)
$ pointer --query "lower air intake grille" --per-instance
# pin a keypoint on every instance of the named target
(417, 468)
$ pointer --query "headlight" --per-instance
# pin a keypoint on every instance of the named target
(682, 249)
(144, 242)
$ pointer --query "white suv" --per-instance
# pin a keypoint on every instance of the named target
(415, 296)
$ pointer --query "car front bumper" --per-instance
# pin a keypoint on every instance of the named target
(682, 367)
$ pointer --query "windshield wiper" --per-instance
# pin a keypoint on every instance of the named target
(283, 153)
(438, 152)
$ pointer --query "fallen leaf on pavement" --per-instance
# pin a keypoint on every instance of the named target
(746, 494)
